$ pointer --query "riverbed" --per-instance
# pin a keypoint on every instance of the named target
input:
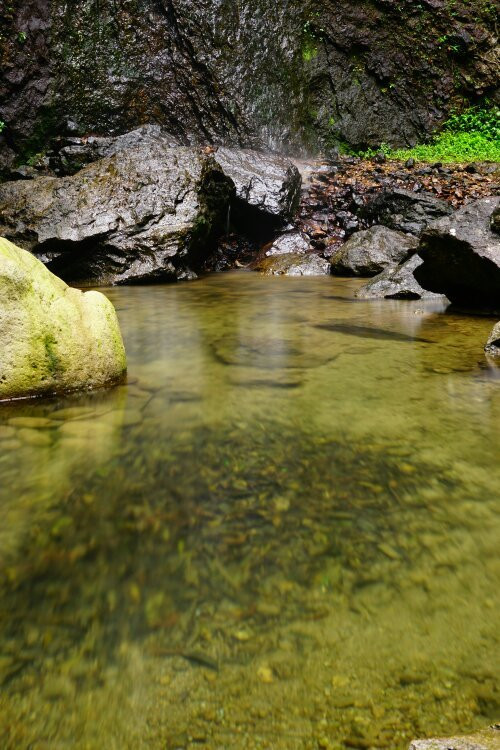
(281, 531)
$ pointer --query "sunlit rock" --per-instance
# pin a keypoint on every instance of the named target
(397, 283)
(54, 338)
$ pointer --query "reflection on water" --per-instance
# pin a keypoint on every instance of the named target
(281, 533)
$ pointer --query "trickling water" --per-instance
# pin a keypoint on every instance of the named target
(282, 533)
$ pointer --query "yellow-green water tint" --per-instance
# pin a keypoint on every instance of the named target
(283, 532)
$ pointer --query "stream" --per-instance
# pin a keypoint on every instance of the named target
(281, 532)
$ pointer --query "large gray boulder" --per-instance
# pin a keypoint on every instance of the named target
(397, 283)
(461, 256)
(54, 338)
(372, 251)
(405, 211)
(294, 264)
(268, 183)
(144, 214)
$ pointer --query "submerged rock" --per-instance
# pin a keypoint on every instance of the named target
(145, 214)
(397, 283)
(294, 264)
(53, 338)
(488, 739)
(266, 182)
(405, 211)
(291, 242)
(461, 256)
(493, 343)
(372, 251)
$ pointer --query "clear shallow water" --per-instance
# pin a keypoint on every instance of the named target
(283, 532)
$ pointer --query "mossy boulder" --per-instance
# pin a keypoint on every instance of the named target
(53, 338)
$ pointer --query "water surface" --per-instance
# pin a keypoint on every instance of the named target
(282, 532)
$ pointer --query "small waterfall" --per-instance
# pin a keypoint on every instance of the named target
(228, 220)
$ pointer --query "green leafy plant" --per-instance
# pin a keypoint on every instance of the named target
(22, 36)
(2, 126)
(472, 135)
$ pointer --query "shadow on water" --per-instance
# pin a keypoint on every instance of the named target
(369, 332)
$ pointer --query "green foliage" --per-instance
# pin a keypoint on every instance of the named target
(312, 33)
(453, 147)
(35, 159)
(484, 121)
(309, 50)
(2, 126)
(473, 135)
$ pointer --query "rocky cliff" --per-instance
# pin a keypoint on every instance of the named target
(291, 75)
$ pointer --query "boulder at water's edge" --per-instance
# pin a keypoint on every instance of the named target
(372, 251)
(397, 283)
(145, 214)
(461, 255)
(53, 338)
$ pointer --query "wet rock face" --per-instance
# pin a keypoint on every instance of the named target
(73, 153)
(288, 75)
(268, 184)
(146, 214)
(372, 251)
(397, 283)
(404, 210)
(461, 256)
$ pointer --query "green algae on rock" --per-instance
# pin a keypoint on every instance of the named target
(54, 338)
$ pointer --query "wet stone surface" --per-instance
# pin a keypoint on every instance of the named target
(224, 551)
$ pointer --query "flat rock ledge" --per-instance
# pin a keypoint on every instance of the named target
(487, 739)
(54, 338)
